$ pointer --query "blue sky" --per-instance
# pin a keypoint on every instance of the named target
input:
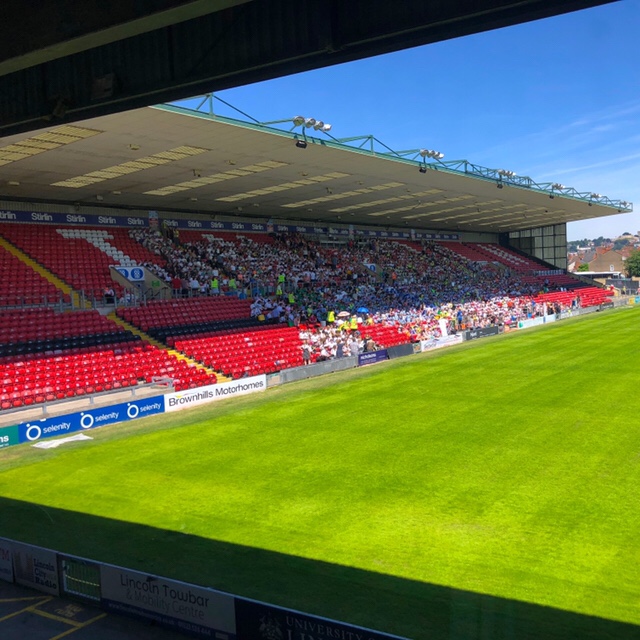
(557, 100)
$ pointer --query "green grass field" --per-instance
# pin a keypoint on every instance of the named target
(490, 490)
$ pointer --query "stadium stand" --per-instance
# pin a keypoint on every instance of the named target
(274, 298)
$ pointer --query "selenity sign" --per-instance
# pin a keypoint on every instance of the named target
(212, 392)
(85, 420)
(199, 612)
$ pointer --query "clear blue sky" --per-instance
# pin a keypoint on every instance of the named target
(557, 100)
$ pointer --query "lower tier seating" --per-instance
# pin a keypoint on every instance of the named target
(247, 353)
(384, 335)
(588, 296)
(36, 379)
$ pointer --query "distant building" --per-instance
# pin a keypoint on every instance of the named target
(606, 260)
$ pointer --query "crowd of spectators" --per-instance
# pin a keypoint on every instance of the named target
(302, 282)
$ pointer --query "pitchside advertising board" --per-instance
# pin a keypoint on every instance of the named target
(189, 609)
(9, 436)
(259, 621)
(35, 567)
(202, 395)
(6, 562)
(83, 421)
(372, 357)
(535, 322)
(36, 430)
(199, 612)
(474, 334)
(439, 343)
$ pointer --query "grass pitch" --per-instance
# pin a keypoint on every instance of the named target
(455, 494)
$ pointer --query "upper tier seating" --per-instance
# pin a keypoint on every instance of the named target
(81, 257)
(467, 251)
(165, 319)
(192, 236)
(21, 285)
(511, 259)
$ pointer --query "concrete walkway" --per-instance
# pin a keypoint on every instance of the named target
(26, 614)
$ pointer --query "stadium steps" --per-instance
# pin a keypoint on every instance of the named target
(45, 273)
(180, 356)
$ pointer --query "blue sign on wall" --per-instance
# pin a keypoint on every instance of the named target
(133, 274)
(213, 225)
(216, 225)
(84, 420)
(372, 357)
(73, 218)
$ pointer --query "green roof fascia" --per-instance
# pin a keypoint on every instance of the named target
(456, 167)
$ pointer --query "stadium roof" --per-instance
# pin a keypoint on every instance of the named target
(174, 159)
(82, 59)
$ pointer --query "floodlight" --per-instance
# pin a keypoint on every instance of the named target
(430, 153)
(596, 196)
(557, 186)
(318, 125)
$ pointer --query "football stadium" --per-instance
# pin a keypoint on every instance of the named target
(261, 381)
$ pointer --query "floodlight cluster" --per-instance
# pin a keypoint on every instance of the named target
(430, 153)
(317, 125)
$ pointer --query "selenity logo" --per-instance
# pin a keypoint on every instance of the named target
(34, 431)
